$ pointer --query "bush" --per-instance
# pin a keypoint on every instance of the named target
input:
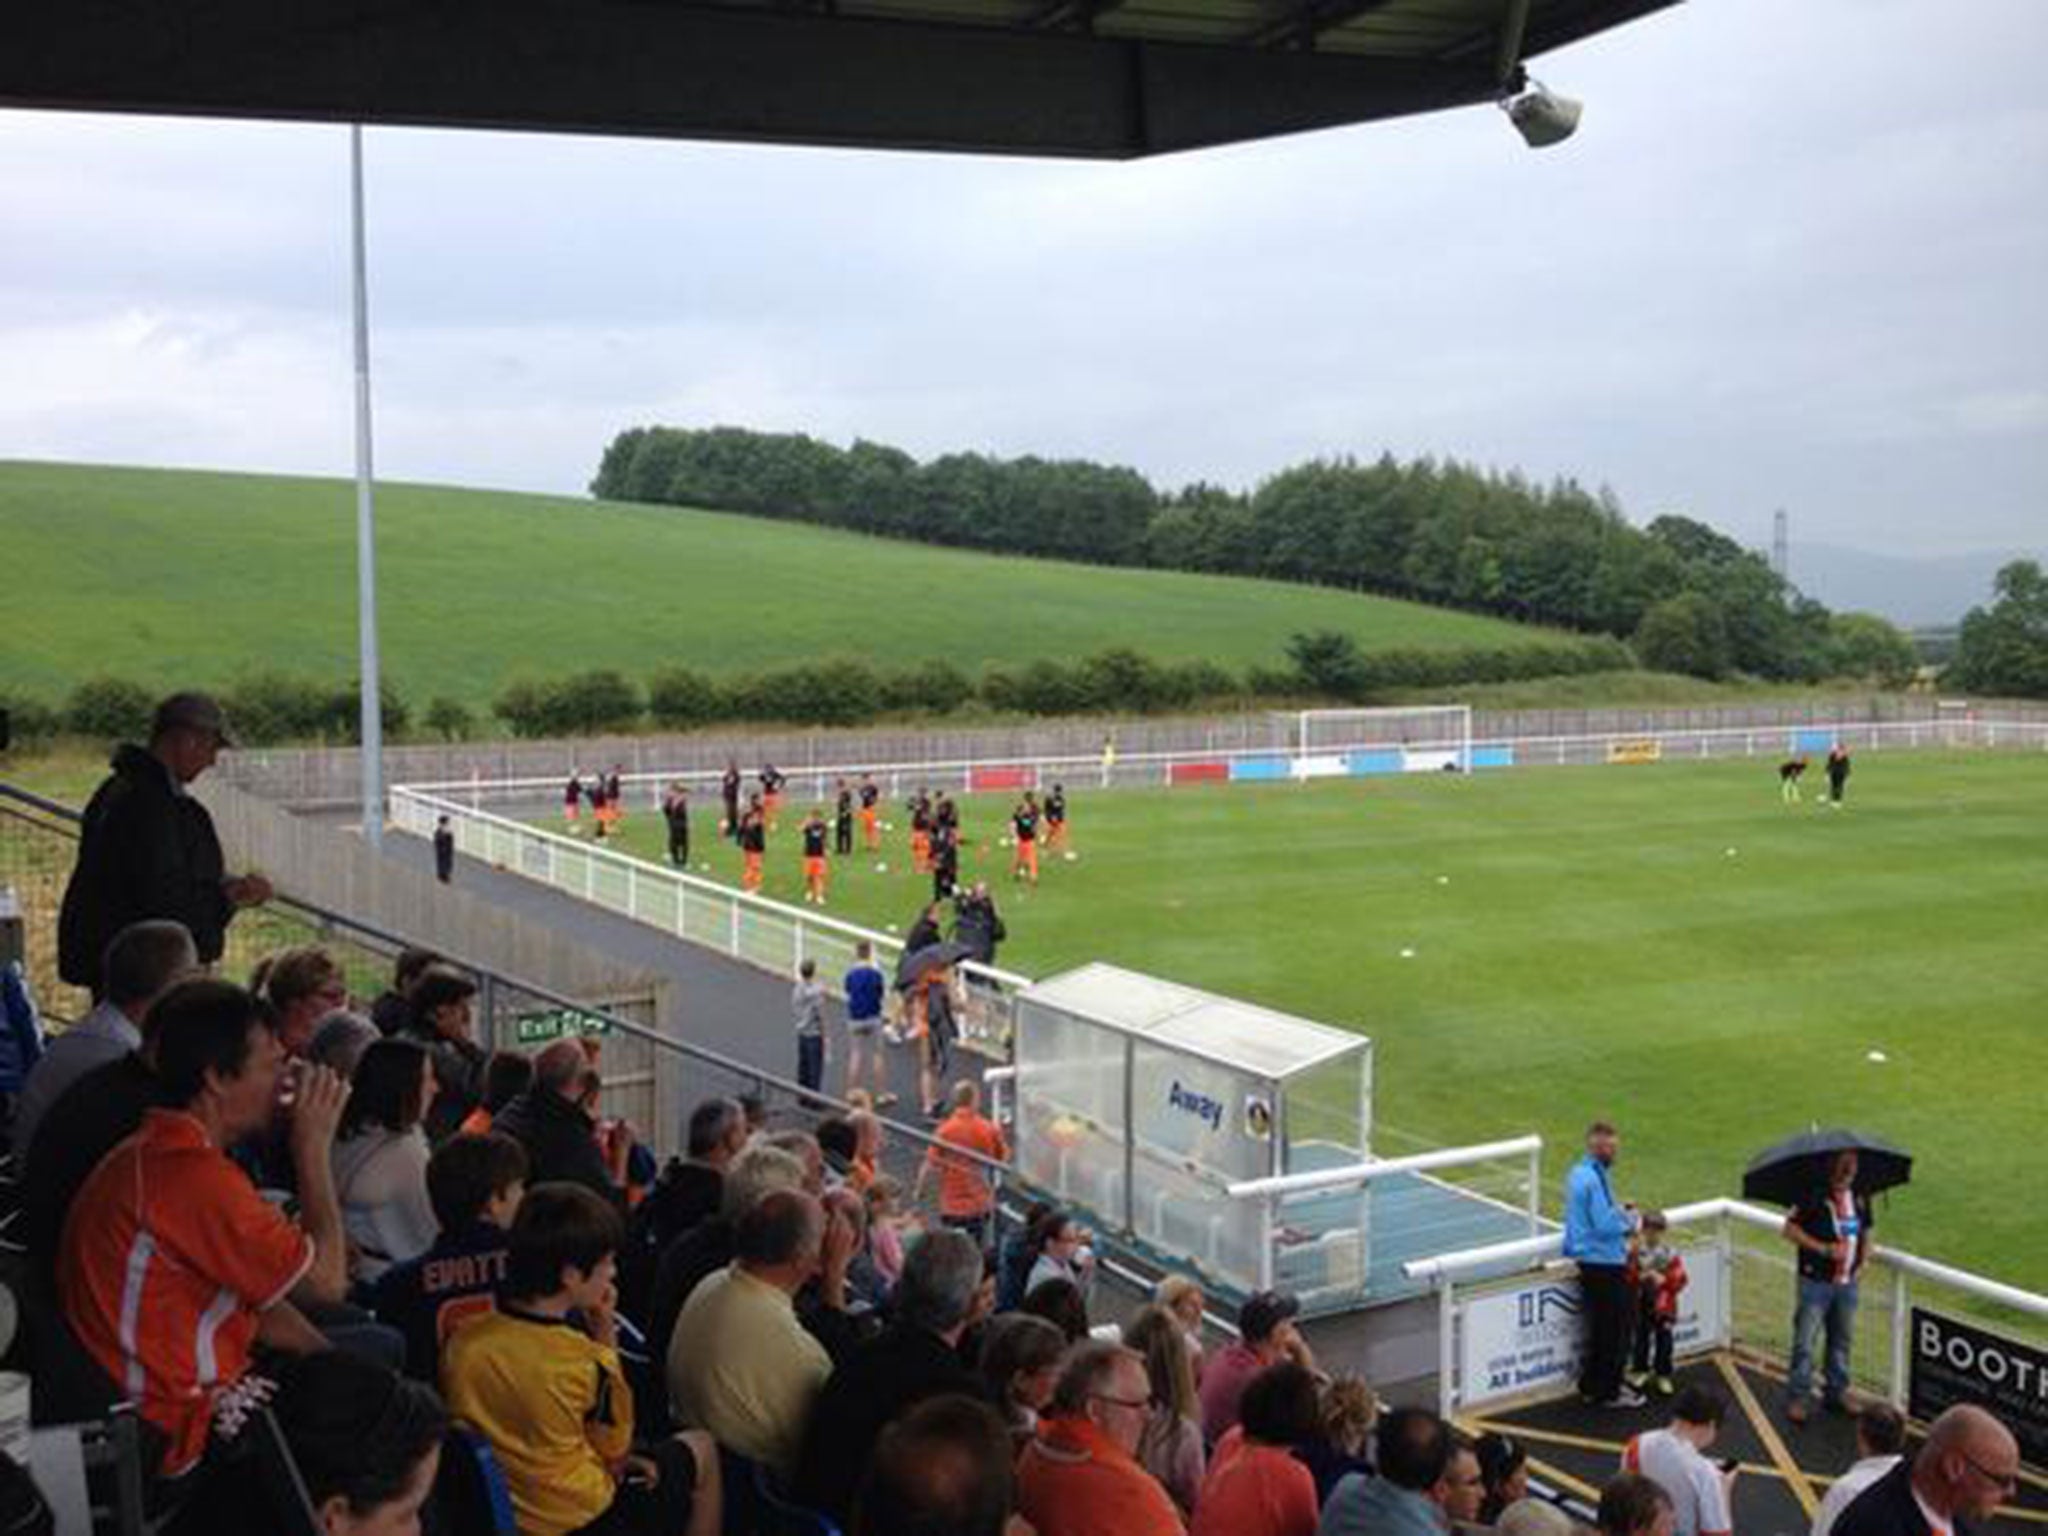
(29, 719)
(1192, 682)
(1001, 690)
(586, 704)
(1118, 679)
(449, 719)
(930, 687)
(1329, 662)
(1047, 688)
(1685, 634)
(522, 705)
(1265, 682)
(680, 699)
(838, 692)
(272, 707)
(344, 714)
(110, 709)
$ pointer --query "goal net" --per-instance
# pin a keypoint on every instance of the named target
(1414, 738)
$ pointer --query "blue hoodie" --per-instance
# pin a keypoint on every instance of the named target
(1595, 1228)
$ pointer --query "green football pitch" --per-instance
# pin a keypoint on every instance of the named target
(1668, 946)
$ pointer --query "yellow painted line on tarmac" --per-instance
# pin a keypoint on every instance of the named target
(1542, 1436)
(1781, 1458)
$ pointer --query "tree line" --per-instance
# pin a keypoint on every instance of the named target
(270, 708)
(1690, 599)
(2003, 646)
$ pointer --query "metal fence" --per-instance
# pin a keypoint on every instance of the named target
(331, 776)
(770, 935)
(650, 1072)
(1365, 755)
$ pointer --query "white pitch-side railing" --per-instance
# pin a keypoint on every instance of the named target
(1149, 769)
(1448, 1271)
(1273, 1192)
(761, 932)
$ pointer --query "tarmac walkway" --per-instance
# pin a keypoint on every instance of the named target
(733, 1009)
(1785, 1467)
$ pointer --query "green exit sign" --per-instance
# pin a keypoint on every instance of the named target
(555, 1023)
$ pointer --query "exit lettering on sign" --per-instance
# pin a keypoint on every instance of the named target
(555, 1023)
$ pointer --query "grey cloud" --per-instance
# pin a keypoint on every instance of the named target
(1792, 258)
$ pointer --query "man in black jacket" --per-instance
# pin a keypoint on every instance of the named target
(940, 1296)
(978, 925)
(148, 849)
(1969, 1464)
(550, 1123)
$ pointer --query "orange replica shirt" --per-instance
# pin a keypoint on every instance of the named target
(963, 1186)
(1073, 1480)
(167, 1257)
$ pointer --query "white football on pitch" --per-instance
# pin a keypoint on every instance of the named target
(1071, 855)
(881, 869)
(1407, 954)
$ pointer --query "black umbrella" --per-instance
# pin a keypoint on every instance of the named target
(1795, 1168)
(916, 962)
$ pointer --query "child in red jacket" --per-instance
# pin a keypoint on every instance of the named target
(1657, 1274)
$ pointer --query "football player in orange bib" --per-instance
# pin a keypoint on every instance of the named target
(1056, 818)
(1025, 821)
(870, 821)
(753, 844)
(814, 856)
(921, 833)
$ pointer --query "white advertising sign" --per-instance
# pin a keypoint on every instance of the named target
(1528, 1337)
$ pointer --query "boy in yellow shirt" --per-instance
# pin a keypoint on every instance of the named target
(540, 1379)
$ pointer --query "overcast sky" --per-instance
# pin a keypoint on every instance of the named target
(1796, 256)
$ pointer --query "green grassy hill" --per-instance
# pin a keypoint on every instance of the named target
(170, 576)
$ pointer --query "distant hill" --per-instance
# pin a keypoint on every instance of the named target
(1910, 590)
(170, 576)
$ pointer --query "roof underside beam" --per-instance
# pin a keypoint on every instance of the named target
(686, 71)
(1309, 21)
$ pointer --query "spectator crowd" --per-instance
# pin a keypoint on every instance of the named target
(263, 1204)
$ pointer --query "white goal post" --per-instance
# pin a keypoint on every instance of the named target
(1425, 735)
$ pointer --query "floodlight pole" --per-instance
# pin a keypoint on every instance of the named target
(366, 520)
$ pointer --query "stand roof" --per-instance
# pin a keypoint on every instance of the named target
(1097, 78)
(1240, 1036)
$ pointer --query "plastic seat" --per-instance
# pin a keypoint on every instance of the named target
(471, 1497)
(754, 1506)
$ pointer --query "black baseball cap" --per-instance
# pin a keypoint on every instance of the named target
(1263, 1311)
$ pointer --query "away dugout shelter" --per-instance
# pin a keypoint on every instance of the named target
(1140, 1102)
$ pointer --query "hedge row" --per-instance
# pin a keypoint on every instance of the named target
(275, 707)
(1119, 681)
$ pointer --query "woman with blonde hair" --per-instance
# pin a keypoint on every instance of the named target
(1184, 1299)
(1171, 1446)
(1350, 1409)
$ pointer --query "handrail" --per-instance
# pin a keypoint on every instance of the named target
(1450, 1266)
(1358, 1174)
(690, 1051)
(641, 869)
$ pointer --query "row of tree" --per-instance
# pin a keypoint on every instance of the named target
(1442, 533)
(2003, 647)
(274, 707)
(847, 691)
